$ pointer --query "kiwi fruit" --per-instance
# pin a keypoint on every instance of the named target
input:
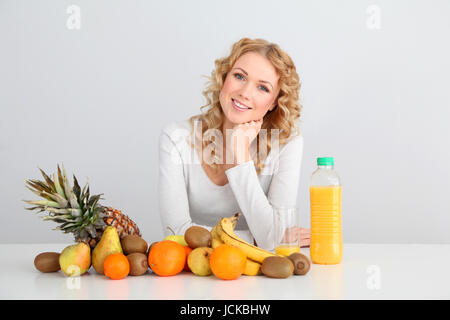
(277, 267)
(47, 262)
(301, 263)
(197, 237)
(138, 263)
(132, 244)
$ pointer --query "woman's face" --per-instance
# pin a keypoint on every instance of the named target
(252, 82)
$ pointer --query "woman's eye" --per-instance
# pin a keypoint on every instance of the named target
(240, 77)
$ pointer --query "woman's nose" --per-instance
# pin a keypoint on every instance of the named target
(245, 92)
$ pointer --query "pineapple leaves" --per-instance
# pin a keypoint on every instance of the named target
(72, 208)
(48, 180)
(84, 196)
(56, 197)
(93, 200)
(33, 208)
(45, 203)
(68, 191)
(60, 179)
(90, 228)
(74, 213)
(76, 187)
(59, 218)
(39, 185)
(38, 193)
(58, 187)
(70, 228)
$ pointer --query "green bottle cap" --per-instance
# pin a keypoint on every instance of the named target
(325, 161)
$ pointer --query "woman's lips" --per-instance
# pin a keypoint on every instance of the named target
(237, 108)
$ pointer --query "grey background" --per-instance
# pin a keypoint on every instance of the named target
(96, 99)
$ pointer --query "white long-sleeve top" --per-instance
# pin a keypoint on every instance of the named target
(188, 197)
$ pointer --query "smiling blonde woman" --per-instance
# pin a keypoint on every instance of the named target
(243, 153)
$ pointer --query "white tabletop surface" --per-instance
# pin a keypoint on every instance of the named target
(368, 271)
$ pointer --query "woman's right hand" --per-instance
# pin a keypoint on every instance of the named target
(294, 233)
(243, 135)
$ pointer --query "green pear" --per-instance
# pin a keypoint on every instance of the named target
(177, 238)
(75, 260)
(109, 244)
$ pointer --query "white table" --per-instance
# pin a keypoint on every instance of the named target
(368, 271)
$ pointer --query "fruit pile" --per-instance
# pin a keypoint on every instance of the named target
(114, 257)
(112, 243)
(219, 252)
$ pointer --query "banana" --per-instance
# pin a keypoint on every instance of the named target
(216, 241)
(225, 229)
(252, 268)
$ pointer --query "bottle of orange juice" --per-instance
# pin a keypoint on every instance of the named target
(326, 223)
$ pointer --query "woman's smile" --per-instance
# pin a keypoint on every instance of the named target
(239, 106)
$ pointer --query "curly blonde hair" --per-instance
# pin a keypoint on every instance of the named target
(282, 117)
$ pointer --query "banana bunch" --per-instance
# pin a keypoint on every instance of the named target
(223, 232)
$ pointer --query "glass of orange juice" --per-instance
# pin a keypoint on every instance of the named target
(287, 231)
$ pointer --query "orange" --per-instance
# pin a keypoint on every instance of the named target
(227, 262)
(187, 250)
(116, 266)
(167, 258)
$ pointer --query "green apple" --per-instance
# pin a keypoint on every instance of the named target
(177, 238)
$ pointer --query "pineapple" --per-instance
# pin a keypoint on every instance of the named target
(76, 210)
